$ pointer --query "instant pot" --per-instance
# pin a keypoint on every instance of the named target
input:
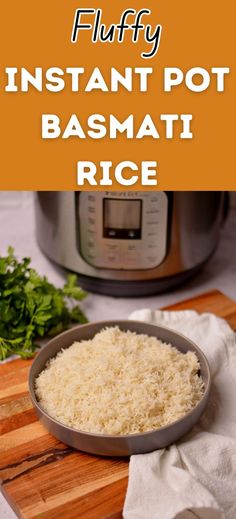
(130, 243)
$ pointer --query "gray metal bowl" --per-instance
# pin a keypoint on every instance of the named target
(125, 445)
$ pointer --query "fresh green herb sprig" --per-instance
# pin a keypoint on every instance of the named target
(31, 307)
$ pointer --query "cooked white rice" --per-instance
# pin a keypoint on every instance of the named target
(119, 383)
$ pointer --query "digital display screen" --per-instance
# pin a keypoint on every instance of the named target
(122, 219)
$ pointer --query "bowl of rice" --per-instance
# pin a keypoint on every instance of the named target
(116, 388)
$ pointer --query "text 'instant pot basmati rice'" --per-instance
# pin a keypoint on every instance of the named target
(119, 383)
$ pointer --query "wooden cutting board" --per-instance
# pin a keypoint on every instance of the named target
(43, 478)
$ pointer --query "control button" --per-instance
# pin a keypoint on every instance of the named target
(111, 257)
(152, 246)
(111, 233)
(112, 260)
(132, 262)
(132, 259)
(132, 247)
(152, 259)
(131, 234)
(91, 209)
(132, 254)
(111, 247)
(91, 257)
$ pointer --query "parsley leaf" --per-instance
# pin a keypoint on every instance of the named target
(31, 307)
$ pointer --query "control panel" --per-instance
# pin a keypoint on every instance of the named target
(122, 231)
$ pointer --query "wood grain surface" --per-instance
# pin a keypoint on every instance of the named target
(43, 478)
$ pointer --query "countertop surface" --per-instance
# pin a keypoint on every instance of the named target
(17, 229)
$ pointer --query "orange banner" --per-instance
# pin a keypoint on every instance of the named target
(110, 95)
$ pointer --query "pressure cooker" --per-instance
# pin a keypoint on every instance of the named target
(130, 243)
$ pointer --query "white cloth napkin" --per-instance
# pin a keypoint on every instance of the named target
(195, 478)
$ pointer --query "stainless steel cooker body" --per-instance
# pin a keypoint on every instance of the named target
(129, 243)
